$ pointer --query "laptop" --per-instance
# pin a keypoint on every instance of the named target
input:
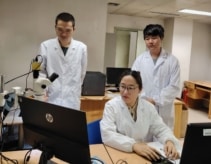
(55, 129)
(197, 144)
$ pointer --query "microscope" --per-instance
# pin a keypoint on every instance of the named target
(40, 83)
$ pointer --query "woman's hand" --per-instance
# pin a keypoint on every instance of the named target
(170, 150)
(146, 151)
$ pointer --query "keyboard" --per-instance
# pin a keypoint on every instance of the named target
(162, 160)
(112, 89)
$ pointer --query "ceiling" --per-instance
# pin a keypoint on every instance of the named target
(161, 9)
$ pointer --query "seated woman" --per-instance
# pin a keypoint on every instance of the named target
(129, 122)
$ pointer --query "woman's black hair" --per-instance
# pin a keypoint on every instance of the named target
(135, 74)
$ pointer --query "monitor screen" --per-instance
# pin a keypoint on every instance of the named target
(55, 130)
(197, 144)
(94, 84)
(113, 75)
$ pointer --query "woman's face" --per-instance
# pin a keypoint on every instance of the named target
(129, 90)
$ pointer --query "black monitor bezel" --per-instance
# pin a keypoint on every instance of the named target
(72, 147)
(113, 75)
(196, 144)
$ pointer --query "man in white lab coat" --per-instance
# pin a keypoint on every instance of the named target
(66, 57)
(160, 72)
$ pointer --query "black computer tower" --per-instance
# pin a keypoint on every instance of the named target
(94, 84)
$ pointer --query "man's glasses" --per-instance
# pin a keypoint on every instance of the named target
(129, 89)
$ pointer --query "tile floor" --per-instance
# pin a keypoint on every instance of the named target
(197, 115)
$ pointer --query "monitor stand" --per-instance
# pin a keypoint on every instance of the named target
(51, 162)
(45, 157)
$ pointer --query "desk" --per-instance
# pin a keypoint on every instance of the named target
(181, 118)
(94, 105)
(199, 91)
(97, 150)
(131, 158)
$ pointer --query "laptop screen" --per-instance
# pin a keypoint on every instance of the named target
(197, 144)
(58, 130)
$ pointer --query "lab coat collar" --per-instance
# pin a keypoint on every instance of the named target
(161, 59)
(163, 54)
(72, 43)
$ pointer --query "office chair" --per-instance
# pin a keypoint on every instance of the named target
(94, 134)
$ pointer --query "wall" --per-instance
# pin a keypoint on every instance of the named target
(181, 46)
(26, 23)
(187, 40)
(200, 63)
(128, 22)
(137, 24)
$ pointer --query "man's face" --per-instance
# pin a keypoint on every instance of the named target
(64, 31)
(153, 42)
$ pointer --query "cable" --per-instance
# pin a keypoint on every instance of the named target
(4, 158)
(18, 77)
(108, 154)
(121, 161)
(27, 156)
(30, 71)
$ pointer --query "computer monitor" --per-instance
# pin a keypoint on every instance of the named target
(197, 144)
(55, 130)
(94, 84)
(113, 75)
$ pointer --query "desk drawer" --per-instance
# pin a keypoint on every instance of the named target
(196, 94)
(189, 85)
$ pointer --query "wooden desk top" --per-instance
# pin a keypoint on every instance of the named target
(202, 83)
(130, 158)
(97, 150)
(107, 96)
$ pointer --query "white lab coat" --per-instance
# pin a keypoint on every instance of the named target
(161, 82)
(119, 130)
(71, 68)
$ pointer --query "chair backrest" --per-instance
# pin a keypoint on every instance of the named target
(94, 134)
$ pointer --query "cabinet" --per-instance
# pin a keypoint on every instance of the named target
(199, 94)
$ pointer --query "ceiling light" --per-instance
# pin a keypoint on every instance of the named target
(188, 11)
